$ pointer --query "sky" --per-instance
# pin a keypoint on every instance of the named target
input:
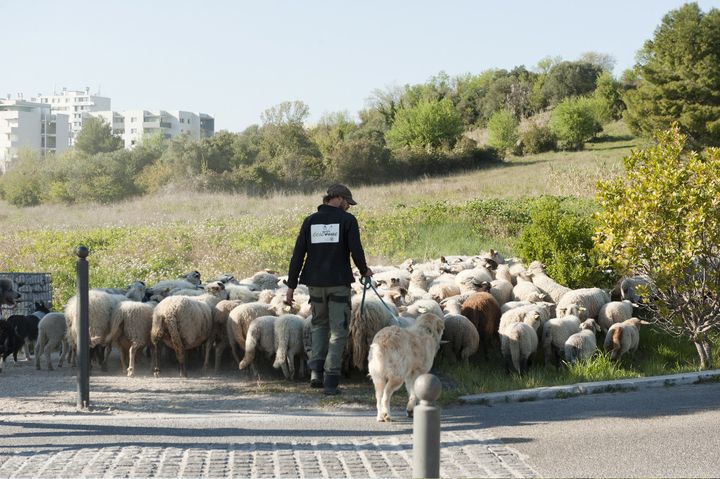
(235, 59)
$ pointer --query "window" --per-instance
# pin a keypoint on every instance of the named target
(182, 120)
(133, 130)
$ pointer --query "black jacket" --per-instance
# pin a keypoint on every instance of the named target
(323, 248)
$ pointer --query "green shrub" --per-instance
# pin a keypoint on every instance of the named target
(560, 235)
(538, 139)
(503, 131)
(574, 121)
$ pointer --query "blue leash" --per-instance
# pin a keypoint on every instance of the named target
(366, 281)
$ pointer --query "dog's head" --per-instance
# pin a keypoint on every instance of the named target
(432, 324)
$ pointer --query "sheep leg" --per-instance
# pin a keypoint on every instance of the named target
(38, 351)
(155, 361)
(131, 359)
(219, 349)
(123, 354)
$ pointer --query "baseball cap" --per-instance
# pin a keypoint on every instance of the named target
(341, 190)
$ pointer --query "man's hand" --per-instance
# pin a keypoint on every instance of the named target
(289, 296)
(368, 272)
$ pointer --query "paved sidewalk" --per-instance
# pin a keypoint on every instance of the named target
(465, 453)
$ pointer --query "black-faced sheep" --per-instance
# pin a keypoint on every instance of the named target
(623, 337)
(51, 335)
(591, 299)
(460, 337)
(555, 332)
(185, 322)
(539, 277)
(518, 343)
(484, 312)
(582, 345)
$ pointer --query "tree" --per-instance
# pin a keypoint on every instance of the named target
(603, 60)
(574, 121)
(607, 94)
(96, 136)
(567, 79)
(23, 183)
(286, 113)
(678, 77)
(428, 125)
(503, 131)
(663, 220)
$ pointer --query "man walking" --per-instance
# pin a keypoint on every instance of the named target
(327, 240)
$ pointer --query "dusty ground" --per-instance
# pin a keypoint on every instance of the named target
(29, 391)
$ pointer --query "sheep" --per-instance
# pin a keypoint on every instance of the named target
(260, 337)
(440, 290)
(266, 279)
(629, 288)
(555, 332)
(510, 270)
(418, 284)
(51, 334)
(100, 308)
(239, 321)
(525, 289)
(534, 314)
(484, 312)
(623, 337)
(614, 312)
(591, 299)
(460, 338)
(471, 279)
(289, 329)
(131, 323)
(582, 345)
(537, 274)
(502, 290)
(517, 344)
(185, 322)
(241, 292)
(422, 306)
(493, 255)
(364, 325)
(391, 278)
(219, 334)
(453, 304)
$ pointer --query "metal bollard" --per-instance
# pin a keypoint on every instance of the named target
(83, 339)
(426, 428)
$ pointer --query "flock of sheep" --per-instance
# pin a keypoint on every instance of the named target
(486, 303)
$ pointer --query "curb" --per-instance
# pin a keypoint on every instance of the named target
(572, 390)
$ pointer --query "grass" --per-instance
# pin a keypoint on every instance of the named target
(158, 237)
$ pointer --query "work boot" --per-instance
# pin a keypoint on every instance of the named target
(330, 384)
(316, 379)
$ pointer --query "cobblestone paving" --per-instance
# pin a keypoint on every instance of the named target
(463, 454)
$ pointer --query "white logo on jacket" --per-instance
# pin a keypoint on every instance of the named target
(325, 233)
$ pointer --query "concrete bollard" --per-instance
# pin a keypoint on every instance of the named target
(426, 428)
(83, 331)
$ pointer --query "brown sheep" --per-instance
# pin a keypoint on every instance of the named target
(483, 310)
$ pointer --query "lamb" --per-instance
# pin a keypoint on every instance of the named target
(131, 323)
(51, 335)
(364, 325)
(460, 337)
(591, 299)
(185, 322)
(289, 329)
(614, 312)
(484, 312)
(260, 337)
(537, 274)
(556, 332)
(582, 345)
(239, 321)
(623, 337)
(518, 343)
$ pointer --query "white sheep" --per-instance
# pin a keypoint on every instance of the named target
(364, 325)
(614, 312)
(51, 335)
(260, 338)
(443, 289)
(534, 314)
(422, 306)
(472, 279)
(289, 329)
(453, 304)
(502, 291)
(582, 345)
(629, 288)
(518, 342)
(131, 322)
(391, 278)
(241, 292)
(591, 299)
(266, 279)
(555, 332)
(185, 322)
(239, 321)
(525, 289)
(460, 338)
(539, 277)
(623, 337)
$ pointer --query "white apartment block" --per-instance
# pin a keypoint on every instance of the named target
(27, 124)
(133, 125)
(74, 104)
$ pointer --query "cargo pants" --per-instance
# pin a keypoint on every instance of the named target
(330, 318)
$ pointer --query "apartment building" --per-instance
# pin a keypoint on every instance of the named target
(29, 124)
(133, 125)
(74, 104)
